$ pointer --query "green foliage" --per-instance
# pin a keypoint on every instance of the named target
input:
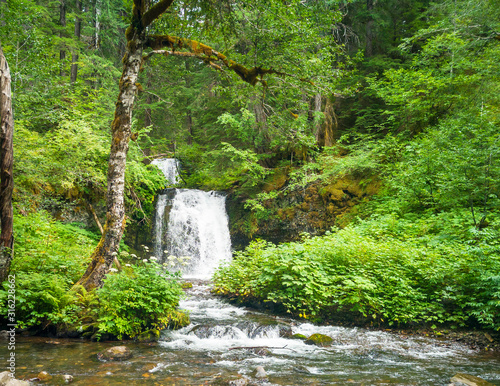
(49, 258)
(52, 256)
(139, 299)
(222, 167)
(375, 270)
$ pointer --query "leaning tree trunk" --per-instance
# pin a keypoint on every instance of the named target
(6, 177)
(106, 250)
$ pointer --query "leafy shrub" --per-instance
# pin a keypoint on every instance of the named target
(49, 257)
(139, 299)
(366, 270)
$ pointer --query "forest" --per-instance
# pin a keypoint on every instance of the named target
(357, 143)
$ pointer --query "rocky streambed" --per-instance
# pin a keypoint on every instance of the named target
(228, 345)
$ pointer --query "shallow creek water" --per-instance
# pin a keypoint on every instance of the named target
(207, 353)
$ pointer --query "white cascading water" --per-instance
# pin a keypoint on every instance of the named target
(197, 231)
(169, 167)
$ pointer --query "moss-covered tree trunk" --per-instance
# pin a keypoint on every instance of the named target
(6, 160)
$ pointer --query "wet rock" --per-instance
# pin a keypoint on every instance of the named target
(68, 332)
(44, 376)
(117, 353)
(17, 382)
(260, 372)
(298, 336)
(239, 382)
(67, 378)
(319, 340)
(4, 335)
(5, 377)
(461, 379)
(148, 336)
(285, 331)
(301, 369)
(262, 351)
(148, 367)
(7, 380)
(208, 331)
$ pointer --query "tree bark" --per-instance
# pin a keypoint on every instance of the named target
(74, 56)
(370, 26)
(6, 161)
(62, 23)
(107, 249)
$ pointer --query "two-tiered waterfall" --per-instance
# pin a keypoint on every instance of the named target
(194, 237)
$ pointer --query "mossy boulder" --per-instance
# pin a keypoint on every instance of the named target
(148, 336)
(319, 340)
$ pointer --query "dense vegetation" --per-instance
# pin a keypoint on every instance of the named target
(400, 96)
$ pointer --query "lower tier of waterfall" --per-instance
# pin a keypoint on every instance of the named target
(193, 236)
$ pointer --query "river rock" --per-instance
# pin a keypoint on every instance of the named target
(461, 379)
(260, 372)
(7, 380)
(285, 331)
(5, 377)
(44, 376)
(117, 353)
(17, 382)
(148, 336)
(262, 351)
(239, 382)
(319, 340)
(4, 335)
(67, 378)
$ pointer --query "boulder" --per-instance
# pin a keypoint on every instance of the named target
(17, 382)
(319, 340)
(461, 379)
(5, 377)
(7, 380)
(260, 372)
(148, 336)
(44, 376)
(116, 353)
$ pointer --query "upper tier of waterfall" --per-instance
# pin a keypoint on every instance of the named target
(169, 167)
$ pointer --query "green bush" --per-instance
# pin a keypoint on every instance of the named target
(389, 279)
(138, 299)
(49, 258)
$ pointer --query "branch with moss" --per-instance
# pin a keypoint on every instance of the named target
(211, 57)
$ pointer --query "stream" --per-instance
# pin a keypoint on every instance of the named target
(209, 352)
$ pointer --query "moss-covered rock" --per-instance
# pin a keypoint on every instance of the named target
(319, 340)
(148, 336)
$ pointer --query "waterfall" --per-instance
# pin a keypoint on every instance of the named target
(169, 167)
(197, 237)
(198, 232)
